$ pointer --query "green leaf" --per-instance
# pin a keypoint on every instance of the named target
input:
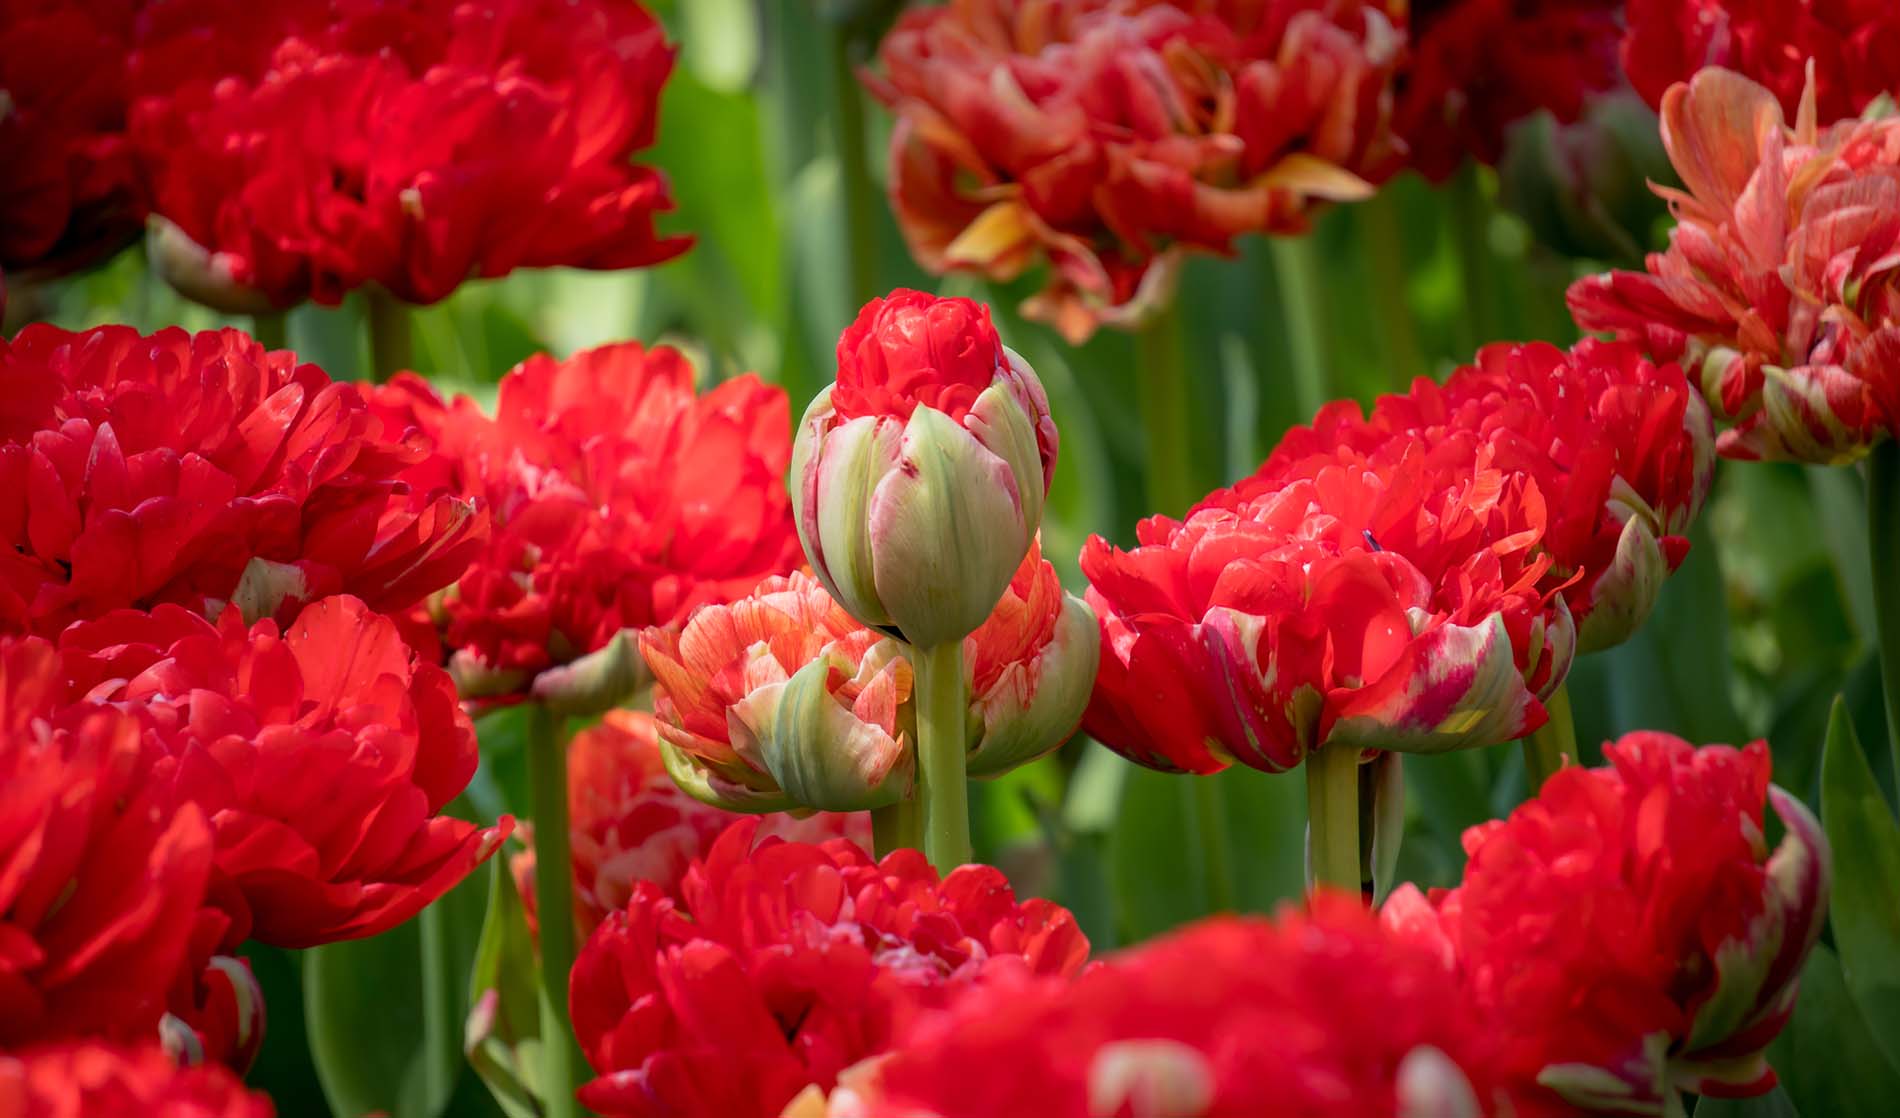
(1774, 1104)
(1154, 859)
(1828, 1062)
(363, 1010)
(1866, 914)
(504, 1022)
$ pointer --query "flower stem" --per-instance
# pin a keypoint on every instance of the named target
(1332, 818)
(1477, 264)
(1552, 745)
(896, 827)
(941, 754)
(1209, 809)
(1883, 545)
(1161, 380)
(1296, 266)
(554, 908)
(442, 1023)
(856, 193)
(272, 330)
(390, 349)
(1384, 243)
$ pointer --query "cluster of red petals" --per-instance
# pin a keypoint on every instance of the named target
(1476, 67)
(189, 468)
(1780, 285)
(1101, 135)
(783, 965)
(620, 499)
(90, 1079)
(1854, 46)
(69, 193)
(303, 149)
(321, 753)
(1314, 1014)
(1596, 924)
(102, 868)
(631, 823)
(913, 348)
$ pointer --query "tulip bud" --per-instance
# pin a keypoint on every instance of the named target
(1584, 187)
(1031, 668)
(919, 475)
(205, 277)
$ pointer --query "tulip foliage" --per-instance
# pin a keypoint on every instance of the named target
(942, 558)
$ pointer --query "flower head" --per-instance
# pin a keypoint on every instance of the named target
(92, 1079)
(1627, 934)
(301, 151)
(1778, 289)
(199, 469)
(1106, 137)
(806, 959)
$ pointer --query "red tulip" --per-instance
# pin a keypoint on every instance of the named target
(304, 150)
(322, 752)
(1105, 138)
(90, 1079)
(199, 469)
(784, 965)
(218, 1013)
(1627, 935)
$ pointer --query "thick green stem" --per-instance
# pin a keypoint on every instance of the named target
(271, 329)
(1551, 746)
(389, 341)
(1477, 264)
(1883, 546)
(854, 172)
(1332, 818)
(897, 827)
(1301, 277)
(941, 754)
(1210, 818)
(1384, 243)
(1161, 380)
(554, 908)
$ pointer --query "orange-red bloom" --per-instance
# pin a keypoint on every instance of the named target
(784, 965)
(102, 870)
(630, 823)
(1779, 285)
(199, 469)
(303, 150)
(620, 499)
(1106, 136)
(94, 1080)
(1627, 935)
(322, 752)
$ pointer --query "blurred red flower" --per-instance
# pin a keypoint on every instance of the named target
(1320, 1014)
(102, 871)
(785, 964)
(631, 823)
(201, 470)
(1778, 289)
(323, 754)
(1627, 935)
(90, 1079)
(1103, 137)
(1478, 66)
(69, 193)
(1854, 45)
(303, 150)
(620, 500)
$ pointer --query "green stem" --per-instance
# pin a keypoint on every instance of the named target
(1883, 546)
(1384, 243)
(857, 194)
(1477, 264)
(896, 827)
(1301, 281)
(1332, 818)
(1551, 746)
(554, 908)
(271, 329)
(1209, 809)
(1161, 380)
(941, 754)
(390, 349)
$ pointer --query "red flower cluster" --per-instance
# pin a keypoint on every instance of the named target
(68, 191)
(631, 823)
(1478, 66)
(1779, 287)
(88, 1079)
(1854, 46)
(1626, 935)
(620, 499)
(1317, 1015)
(305, 149)
(199, 469)
(1105, 136)
(1414, 580)
(804, 959)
